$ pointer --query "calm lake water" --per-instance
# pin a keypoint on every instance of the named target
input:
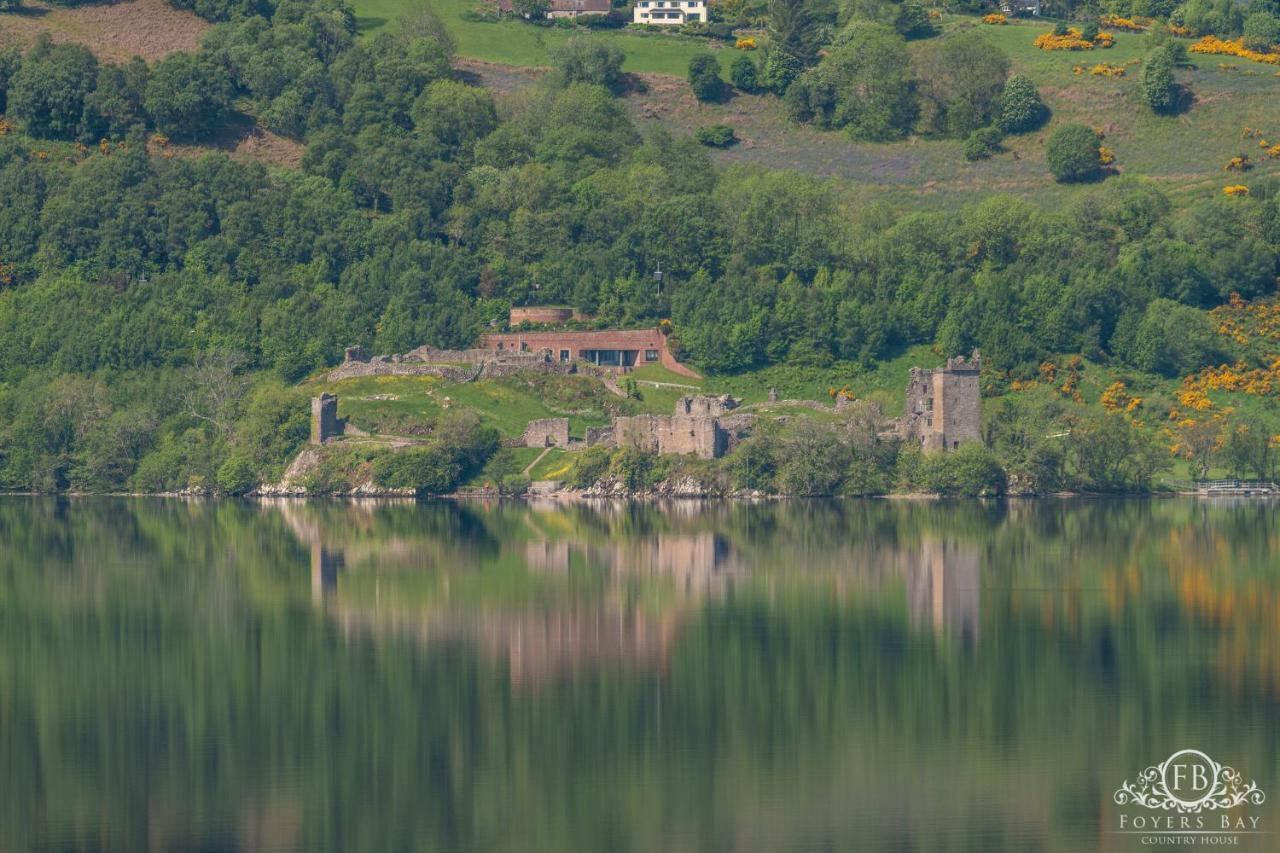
(876, 675)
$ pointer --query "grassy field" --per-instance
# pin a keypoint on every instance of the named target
(1184, 154)
(524, 44)
(113, 31)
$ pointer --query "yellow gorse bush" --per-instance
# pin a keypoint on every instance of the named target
(1235, 189)
(748, 43)
(995, 19)
(1073, 40)
(1119, 23)
(1105, 70)
(1239, 164)
(1223, 47)
(1105, 155)
(1118, 399)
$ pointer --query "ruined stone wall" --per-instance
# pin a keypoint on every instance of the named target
(706, 406)
(544, 314)
(602, 436)
(673, 434)
(547, 432)
(325, 423)
(736, 429)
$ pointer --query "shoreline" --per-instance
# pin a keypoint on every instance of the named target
(575, 496)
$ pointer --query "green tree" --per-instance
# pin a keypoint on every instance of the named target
(793, 43)
(534, 10)
(10, 59)
(115, 105)
(453, 115)
(584, 59)
(1261, 31)
(48, 91)
(744, 74)
(959, 80)
(1159, 90)
(188, 96)
(704, 77)
(1073, 153)
(861, 85)
(716, 135)
(982, 143)
(1020, 108)
(1174, 340)
(781, 68)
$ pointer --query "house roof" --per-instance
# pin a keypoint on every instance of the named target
(588, 7)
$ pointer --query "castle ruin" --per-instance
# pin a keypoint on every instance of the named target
(695, 428)
(325, 423)
(943, 409)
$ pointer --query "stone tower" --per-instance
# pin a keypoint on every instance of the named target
(944, 408)
(324, 418)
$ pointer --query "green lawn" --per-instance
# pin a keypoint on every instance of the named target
(422, 397)
(522, 43)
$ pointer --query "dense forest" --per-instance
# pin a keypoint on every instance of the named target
(156, 309)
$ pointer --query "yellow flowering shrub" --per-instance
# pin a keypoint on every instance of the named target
(1235, 47)
(1241, 163)
(1105, 155)
(1273, 151)
(1119, 23)
(5, 127)
(995, 19)
(1105, 70)
(1073, 40)
(1116, 398)
(1193, 397)
(1247, 322)
(1184, 32)
(1235, 190)
(748, 43)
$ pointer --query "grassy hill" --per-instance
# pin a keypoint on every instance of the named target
(519, 43)
(1185, 154)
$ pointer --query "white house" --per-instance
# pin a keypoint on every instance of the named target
(669, 13)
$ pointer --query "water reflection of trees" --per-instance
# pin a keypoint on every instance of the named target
(167, 681)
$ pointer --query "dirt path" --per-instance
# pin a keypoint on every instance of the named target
(528, 468)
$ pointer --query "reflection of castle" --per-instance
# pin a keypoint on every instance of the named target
(640, 589)
(539, 646)
(699, 564)
(944, 588)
